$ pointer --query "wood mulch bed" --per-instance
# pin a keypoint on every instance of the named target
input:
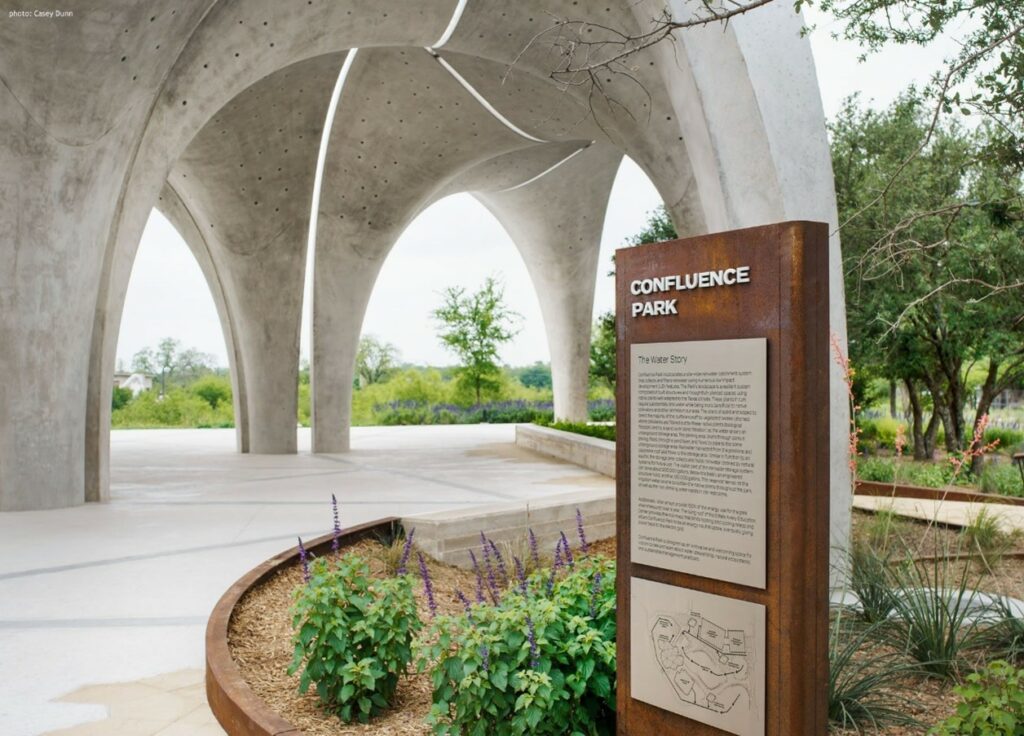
(260, 642)
(260, 638)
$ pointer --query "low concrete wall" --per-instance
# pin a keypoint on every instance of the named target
(589, 452)
(450, 535)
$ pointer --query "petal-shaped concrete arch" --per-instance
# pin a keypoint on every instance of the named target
(727, 123)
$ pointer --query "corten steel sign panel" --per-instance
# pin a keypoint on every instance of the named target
(766, 285)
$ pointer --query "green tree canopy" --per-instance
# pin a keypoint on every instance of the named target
(474, 326)
(375, 360)
(169, 363)
(659, 227)
(985, 76)
(934, 266)
(602, 350)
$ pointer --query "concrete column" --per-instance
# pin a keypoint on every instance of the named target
(55, 203)
(556, 222)
(174, 209)
(247, 179)
(342, 285)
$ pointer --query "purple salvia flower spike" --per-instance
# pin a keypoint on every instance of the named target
(403, 561)
(568, 551)
(532, 636)
(554, 568)
(584, 547)
(304, 558)
(492, 585)
(336, 540)
(534, 554)
(521, 574)
(487, 555)
(501, 562)
(428, 586)
(465, 603)
(594, 592)
(485, 657)
(479, 578)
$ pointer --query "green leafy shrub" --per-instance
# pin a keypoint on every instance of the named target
(876, 470)
(878, 432)
(1008, 438)
(120, 398)
(927, 474)
(1001, 478)
(179, 408)
(213, 389)
(602, 410)
(992, 704)
(304, 409)
(539, 662)
(353, 636)
(886, 470)
(601, 431)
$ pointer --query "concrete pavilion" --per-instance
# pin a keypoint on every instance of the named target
(214, 111)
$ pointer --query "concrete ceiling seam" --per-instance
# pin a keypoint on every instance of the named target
(452, 25)
(321, 158)
(548, 170)
(483, 100)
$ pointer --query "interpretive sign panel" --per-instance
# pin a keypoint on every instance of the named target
(722, 474)
(698, 457)
(699, 655)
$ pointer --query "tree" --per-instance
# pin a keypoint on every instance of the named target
(659, 227)
(933, 260)
(473, 327)
(537, 375)
(602, 350)
(374, 360)
(120, 397)
(982, 78)
(213, 389)
(169, 361)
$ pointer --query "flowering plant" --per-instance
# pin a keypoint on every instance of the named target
(540, 659)
(353, 636)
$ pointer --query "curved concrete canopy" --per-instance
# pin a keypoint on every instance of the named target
(218, 106)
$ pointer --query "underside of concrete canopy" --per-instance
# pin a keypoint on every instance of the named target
(281, 136)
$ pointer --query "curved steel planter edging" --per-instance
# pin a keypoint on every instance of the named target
(872, 488)
(237, 708)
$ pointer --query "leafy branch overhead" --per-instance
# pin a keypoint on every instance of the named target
(985, 76)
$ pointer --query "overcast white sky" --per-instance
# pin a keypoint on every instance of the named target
(457, 241)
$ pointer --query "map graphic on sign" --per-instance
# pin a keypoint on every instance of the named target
(699, 655)
(705, 663)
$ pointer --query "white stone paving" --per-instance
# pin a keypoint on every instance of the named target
(119, 592)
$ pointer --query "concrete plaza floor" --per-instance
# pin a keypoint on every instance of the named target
(103, 607)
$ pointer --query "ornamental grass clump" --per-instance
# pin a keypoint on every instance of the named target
(937, 615)
(867, 683)
(541, 660)
(353, 636)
